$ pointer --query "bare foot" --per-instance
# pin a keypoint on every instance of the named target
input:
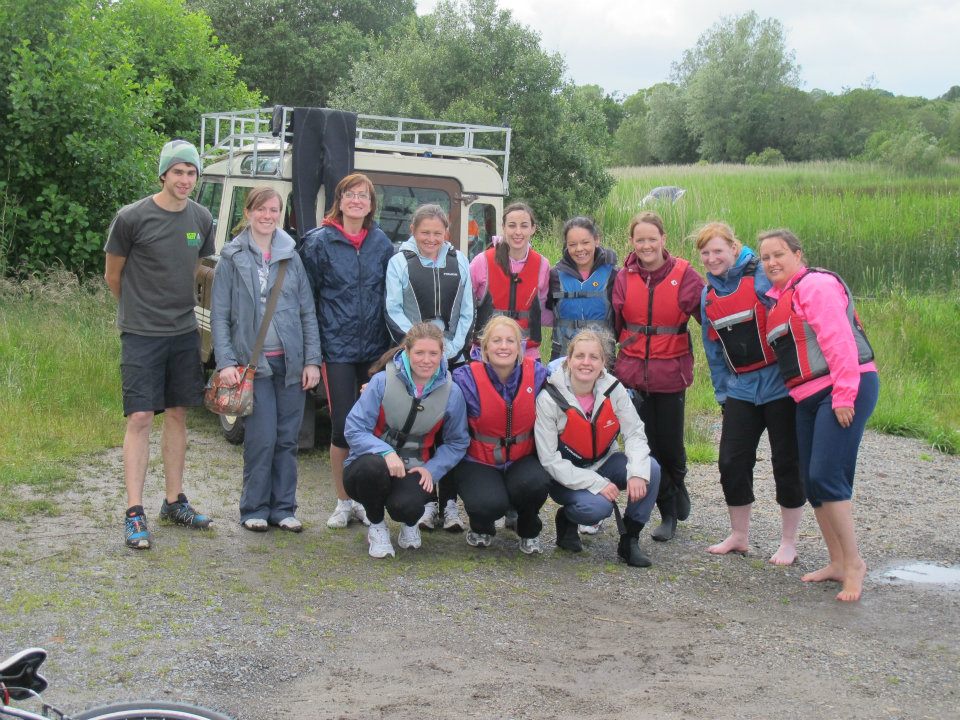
(830, 572)
(853, 582)
(734, 543)
(786, 554)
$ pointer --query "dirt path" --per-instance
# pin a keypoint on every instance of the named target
(308, 626)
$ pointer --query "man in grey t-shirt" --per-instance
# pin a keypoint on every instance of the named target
(153, 247)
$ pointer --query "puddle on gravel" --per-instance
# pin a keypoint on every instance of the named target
(924, 573)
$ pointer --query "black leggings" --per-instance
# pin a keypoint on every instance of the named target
(488, 493)
(368, 481)
(662, 416)
(342, 382)
(743, 424)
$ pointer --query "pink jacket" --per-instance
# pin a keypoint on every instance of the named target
(822, 302)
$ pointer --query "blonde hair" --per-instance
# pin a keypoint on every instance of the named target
(601, 337)
(494, 322)
(717, 229)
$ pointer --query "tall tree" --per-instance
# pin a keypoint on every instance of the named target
(731, 81)
(295, 51)
(472, 62)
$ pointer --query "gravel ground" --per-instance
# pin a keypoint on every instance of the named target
(307, 626)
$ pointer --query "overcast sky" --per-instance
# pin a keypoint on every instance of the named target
(908, 48)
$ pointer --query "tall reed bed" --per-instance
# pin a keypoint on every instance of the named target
(878, 229)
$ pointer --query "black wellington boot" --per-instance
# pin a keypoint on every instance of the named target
(629, 547)
(668, 520)
(568, 537)
(683, 502)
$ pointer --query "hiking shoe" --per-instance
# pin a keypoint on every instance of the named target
(531, 546)
(409, 537)
(290, 524)
(346, 511)
(181, 512)
(428, 521)
(452, 522)
(136, 533)
(590, 529)
(255, 524)
(475, 539)
(379, 538)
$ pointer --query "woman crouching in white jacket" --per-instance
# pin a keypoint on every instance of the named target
(580, 412)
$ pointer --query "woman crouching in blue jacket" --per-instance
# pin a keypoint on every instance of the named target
(749, 388)
(406, 432)
(287, 366)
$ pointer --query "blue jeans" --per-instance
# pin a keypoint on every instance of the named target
(828, 452)
(270, 441)
(585, 508)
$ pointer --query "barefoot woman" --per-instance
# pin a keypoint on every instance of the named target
(827, 363)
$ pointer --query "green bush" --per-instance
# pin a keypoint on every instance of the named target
(912, 151)
(768, 156)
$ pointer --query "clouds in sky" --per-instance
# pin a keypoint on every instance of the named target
(908, 48)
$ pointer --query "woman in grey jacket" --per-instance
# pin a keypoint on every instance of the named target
(580, 412)
(287, 367)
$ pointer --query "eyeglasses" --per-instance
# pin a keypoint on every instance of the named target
(350, 195)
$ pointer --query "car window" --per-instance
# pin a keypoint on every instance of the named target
(396, 205)
(209, 195)
(481, 227)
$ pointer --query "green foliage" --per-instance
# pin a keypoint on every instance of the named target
(910, 151)
(471, 62)
(295, 51)
(731, 81)
(879, 228)
(59, 380)
(668, 138)
(88, 93)
(769, 156)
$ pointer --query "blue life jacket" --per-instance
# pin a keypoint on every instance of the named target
(581, 303)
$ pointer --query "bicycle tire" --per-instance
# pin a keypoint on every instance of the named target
(150, 711)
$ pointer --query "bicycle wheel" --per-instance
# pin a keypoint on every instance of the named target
(150, 711)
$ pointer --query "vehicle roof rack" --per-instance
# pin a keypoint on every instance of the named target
(251, 131)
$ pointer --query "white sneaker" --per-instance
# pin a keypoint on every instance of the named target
(428, 521)
(409, 537)
(379, 538)
(291, 524)
(475, 539)
(255, 524)
(358, 513)
(500, 524)
(531, 546)
(341, 516)
(590, 529)
(452, 522)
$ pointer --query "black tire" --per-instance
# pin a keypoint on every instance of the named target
(232, 428)
(150, 711)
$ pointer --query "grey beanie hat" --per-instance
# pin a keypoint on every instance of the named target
(179, 151)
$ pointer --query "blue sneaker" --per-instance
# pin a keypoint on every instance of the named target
(181, 512)
(137, 535)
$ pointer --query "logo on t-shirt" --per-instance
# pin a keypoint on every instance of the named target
(193, 239)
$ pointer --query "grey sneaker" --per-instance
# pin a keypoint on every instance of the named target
(452, 522)
(428, 521)
(182, 513)
(255, 524)
(409, 537)
(475, 539)
(290, 524)
(531, 546)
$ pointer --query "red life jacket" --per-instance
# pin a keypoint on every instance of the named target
(738, 321)
(513, 295)
(799, 355)
(654, 325)
(503, 431)
(583, 441)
